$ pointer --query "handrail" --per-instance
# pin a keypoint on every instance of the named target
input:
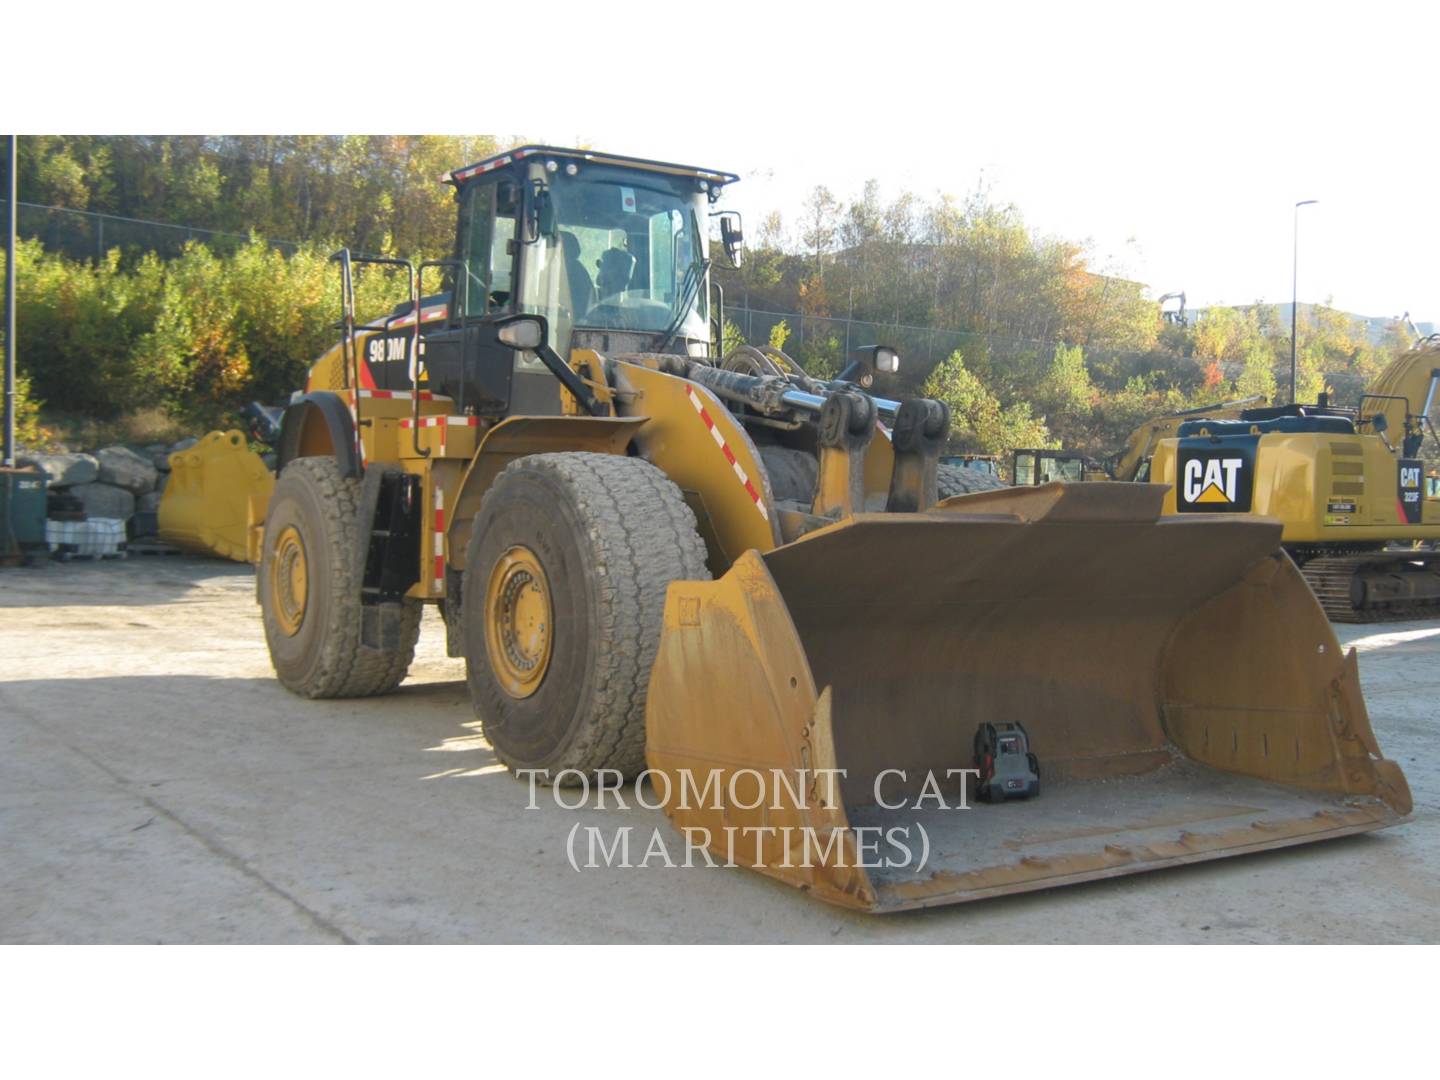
(456, 309)
(349, 353)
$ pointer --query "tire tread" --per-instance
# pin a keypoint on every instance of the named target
(641, 536)
(346, 669)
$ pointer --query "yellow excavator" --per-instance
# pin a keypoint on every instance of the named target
(1132, 463)
(748, 582)
(1347, 483)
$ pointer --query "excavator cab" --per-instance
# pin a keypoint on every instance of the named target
(1029, 467)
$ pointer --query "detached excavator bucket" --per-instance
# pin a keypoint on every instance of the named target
(216, 497)
(1183, 692)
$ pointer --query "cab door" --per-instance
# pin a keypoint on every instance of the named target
(463, 360)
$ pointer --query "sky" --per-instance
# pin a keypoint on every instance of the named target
(1176, 139)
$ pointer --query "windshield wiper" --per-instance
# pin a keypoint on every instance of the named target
(689, 287)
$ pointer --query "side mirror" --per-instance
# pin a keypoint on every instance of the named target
(1380, 423)
(521, 332)
(732, 236)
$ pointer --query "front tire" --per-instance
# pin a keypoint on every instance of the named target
(309, 585)
(563, 599)
(958, 480)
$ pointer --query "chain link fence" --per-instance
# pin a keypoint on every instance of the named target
(834, 339)
(81, 234)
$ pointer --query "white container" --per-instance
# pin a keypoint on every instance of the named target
(95, 537)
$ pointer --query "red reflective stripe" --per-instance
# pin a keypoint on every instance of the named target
(735, 466)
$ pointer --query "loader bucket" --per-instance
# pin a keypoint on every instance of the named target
(1181, 687)
(215, 497)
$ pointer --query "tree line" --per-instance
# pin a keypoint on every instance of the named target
(378, 193)
(1057, 350)
(1062, 353)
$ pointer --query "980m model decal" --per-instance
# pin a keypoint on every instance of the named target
(1215, 475)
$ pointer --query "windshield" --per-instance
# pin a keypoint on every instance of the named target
(623, 253)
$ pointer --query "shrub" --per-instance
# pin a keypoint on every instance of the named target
(198, 336)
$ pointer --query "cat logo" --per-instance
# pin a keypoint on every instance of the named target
(1409, 506)
(1215, 474)
(1212, 481)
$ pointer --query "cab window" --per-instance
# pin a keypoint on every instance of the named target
(1024, 469)
(489, 227)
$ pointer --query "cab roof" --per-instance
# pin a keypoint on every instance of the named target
(520, 153)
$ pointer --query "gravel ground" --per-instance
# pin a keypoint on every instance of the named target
(156, 784)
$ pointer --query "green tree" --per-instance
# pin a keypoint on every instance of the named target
(819, 225)
(1258, 375)
(978, 421)
(1067, 389)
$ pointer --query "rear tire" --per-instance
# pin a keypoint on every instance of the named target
(958, 480)
(793, 474)
(309, 587)
(563, 600)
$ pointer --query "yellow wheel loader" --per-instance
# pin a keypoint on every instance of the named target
(743, 581)
(1346, 483)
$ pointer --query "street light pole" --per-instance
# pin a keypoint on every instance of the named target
(1295, 289)
(11, 187)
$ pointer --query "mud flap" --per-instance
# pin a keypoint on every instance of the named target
(811, 711)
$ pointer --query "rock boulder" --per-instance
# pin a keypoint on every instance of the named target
(124, 468)
(64, 470)
(104, 500)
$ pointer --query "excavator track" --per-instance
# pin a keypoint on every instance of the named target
(1345, 585)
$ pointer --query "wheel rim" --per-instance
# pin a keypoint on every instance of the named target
(519, 622)
(289, 581)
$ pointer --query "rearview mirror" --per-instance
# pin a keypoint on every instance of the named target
(539, 213)
(732, 236)
(525, 332)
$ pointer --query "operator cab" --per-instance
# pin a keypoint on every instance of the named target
(1045, 466)
(612, 251)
